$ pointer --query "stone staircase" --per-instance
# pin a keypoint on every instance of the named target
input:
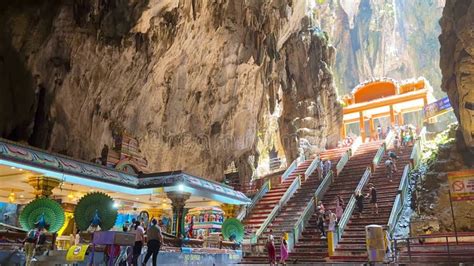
(262, 209)
(352, 246)
(310, 247)
(292, 210)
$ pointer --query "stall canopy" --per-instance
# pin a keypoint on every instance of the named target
(73, 171)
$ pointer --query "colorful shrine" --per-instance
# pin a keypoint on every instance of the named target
(117, 191)
(384, 98)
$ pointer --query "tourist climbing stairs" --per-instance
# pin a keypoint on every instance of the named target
(311, 248)
(352, 246)
(290, 212)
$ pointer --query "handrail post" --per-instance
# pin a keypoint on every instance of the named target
(408, 248)
(395, 252)
(447, 247)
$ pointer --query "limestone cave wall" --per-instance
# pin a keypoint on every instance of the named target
(457, 65)
(376, 38)
(201, 84)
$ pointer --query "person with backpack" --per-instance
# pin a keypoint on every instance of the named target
(389, 168)
(30, 244)
(155, 240)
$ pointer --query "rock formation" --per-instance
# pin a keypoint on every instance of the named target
(392, 38)
(457, 65)
(201, 84)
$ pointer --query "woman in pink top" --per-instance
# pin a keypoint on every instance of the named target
(139, 239)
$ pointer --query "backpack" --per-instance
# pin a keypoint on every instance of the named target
(388, 164)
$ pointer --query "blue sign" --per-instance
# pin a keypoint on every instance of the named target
(438, 107)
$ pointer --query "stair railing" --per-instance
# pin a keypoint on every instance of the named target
(312, 167)
(402, 195)
(350, 206)
(308, 211)
(379, 155)
(343, 161)
(295, 185)
(389, 138)
(290, 169)
(247, 209)
(355, 146)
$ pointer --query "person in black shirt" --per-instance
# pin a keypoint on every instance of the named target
(359, 202)
(373, 198)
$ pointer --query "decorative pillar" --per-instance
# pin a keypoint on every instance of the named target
(400, 119)
(178, 201)
(372, 129)
(230, 210)
(343, 131)
(362, 126)
(392, 116)
(43, 185)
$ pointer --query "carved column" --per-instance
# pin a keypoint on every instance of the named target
(392, 116)
(178, 201)
(230, 210)
(43, 185)
(362, 126)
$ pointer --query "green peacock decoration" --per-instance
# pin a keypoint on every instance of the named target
(95, 208)
(44, 211)
(233, 229)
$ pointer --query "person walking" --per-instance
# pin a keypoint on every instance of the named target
(139, 239)
(320, 224)
(379, 132)
(396, 143)
(327, 167)
(30, 244)
(373, 198)
(339, 207)
(155, 240)
(320, 170)
(332, 221)
(389, 168)
(271, 248)
(359, 202)
(283, 250)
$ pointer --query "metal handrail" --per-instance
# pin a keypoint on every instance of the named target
(309, 209)
(343, 161)
(322, 188)
(379, 155)
(350, 206)
(355, 146)
(290, 169)
(396, 210)
(402, 189)
(389, 138)
(288, 193)
(312, 167)
(263, 190)
(365, 178)
(345, 217)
